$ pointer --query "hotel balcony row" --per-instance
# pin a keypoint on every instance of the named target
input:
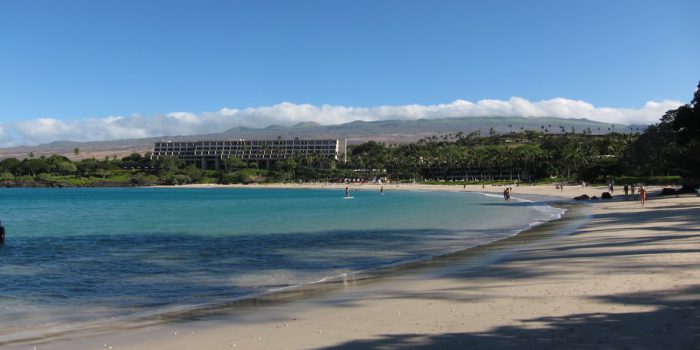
(207, 154)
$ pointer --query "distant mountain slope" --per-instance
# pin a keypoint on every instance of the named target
(390, 131)
(402, 131)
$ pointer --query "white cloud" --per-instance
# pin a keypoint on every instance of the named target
(5, 140)
(44, 130)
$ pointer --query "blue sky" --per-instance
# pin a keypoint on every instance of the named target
(71, 63)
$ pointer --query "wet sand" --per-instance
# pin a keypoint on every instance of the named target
(611, 275)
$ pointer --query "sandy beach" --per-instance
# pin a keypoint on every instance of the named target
(626, 277)
(567, 192)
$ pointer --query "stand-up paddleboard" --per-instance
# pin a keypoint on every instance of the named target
(347, 193)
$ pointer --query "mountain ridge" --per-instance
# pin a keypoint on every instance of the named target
(389, 131)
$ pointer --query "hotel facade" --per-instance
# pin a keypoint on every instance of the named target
(208, 154)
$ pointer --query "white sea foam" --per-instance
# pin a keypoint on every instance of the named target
(549, 213)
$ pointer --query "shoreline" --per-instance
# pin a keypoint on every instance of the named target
(325, 311)
(567, 192)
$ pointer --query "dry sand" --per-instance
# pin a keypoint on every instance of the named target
(539, 190)
(627, 278)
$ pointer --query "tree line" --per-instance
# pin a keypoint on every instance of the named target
(666, 151)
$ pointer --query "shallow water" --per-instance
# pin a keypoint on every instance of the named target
(77, 255)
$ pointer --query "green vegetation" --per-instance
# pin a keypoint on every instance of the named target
(665, 153)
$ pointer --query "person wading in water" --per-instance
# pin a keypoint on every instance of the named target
(2, 233)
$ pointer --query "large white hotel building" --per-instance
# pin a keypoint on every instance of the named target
(208, 154)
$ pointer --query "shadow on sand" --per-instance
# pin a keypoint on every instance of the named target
(673, 324)
(671, 319)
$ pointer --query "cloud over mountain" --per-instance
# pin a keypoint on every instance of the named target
(44, 130)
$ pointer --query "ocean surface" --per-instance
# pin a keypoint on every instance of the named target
(75, 256)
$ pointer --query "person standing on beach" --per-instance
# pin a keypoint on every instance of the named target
(632, 189)
(626, 189)
(643, 195)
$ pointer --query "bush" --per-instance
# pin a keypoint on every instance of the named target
(238, 177)
(7, 176)
(656, 180)
(194, 173)
(44, 177)
(181, 179)
(142, 180)
(176, 179)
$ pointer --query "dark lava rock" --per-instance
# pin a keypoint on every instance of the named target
(668, 191)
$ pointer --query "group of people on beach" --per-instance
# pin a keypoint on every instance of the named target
(631, 189)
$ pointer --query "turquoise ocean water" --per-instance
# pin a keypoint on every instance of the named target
(80, 255)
